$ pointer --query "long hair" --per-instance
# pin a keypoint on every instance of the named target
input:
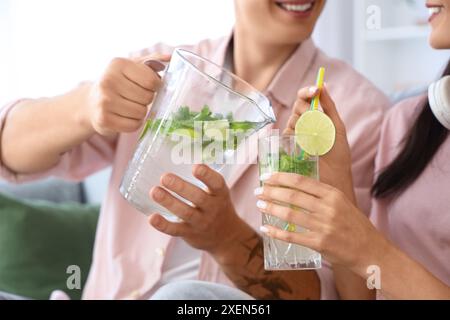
(421, 143)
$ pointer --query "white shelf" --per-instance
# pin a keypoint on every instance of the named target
(397, 56)
(397, 33)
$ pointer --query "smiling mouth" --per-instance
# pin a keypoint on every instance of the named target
(434, 10)
(296, 7)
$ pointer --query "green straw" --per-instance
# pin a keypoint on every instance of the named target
(316, 99)
(314, 106)
(319, 84)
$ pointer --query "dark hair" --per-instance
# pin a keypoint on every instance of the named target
(420, 145)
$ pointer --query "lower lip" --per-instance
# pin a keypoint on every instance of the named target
(298, 14)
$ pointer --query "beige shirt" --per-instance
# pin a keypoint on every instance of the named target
(129, 256)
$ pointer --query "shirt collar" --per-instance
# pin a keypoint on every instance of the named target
(290, 77)
(224, 47)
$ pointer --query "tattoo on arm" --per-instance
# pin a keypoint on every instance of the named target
(245, 268)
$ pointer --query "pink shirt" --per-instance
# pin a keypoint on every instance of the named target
(129, 256)
(418, 220)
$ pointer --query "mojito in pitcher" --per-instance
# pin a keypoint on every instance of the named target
(202, 114)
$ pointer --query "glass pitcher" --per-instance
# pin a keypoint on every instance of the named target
(202, 114)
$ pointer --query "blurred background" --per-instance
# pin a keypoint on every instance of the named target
(48, 46)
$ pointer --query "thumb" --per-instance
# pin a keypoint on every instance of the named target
(156, 65)
(156, 61)
(154, 56)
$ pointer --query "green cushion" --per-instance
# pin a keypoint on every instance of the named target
(39, 241)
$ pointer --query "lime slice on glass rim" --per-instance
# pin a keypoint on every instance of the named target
(315, 133)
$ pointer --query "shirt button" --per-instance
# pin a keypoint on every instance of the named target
(160, 252)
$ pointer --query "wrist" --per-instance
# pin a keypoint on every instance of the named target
(82, 115)
(375, 252)
(345, 183)
(225, 249)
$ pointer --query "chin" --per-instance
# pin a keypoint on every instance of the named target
(439, 43)
(294, 36)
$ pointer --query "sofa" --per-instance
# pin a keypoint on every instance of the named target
(47, 232)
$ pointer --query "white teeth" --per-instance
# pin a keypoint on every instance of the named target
(434, 10)
(297, 7)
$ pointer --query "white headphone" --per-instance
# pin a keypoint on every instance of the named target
(439, 98)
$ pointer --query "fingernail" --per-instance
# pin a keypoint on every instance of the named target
(265, 176)
(156, 65)
(168, 180)
(258, 191)
(313, 90)
(261, 204)
(157, 222)
(263, 229)
(201, 171)
(157, 194)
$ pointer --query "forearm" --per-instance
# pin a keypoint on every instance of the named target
(351, 286)
(403, 278)
(243, 263)
(37, 132)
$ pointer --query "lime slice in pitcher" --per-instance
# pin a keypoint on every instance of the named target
(186, 133)
(216, 130)
(315, 133)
